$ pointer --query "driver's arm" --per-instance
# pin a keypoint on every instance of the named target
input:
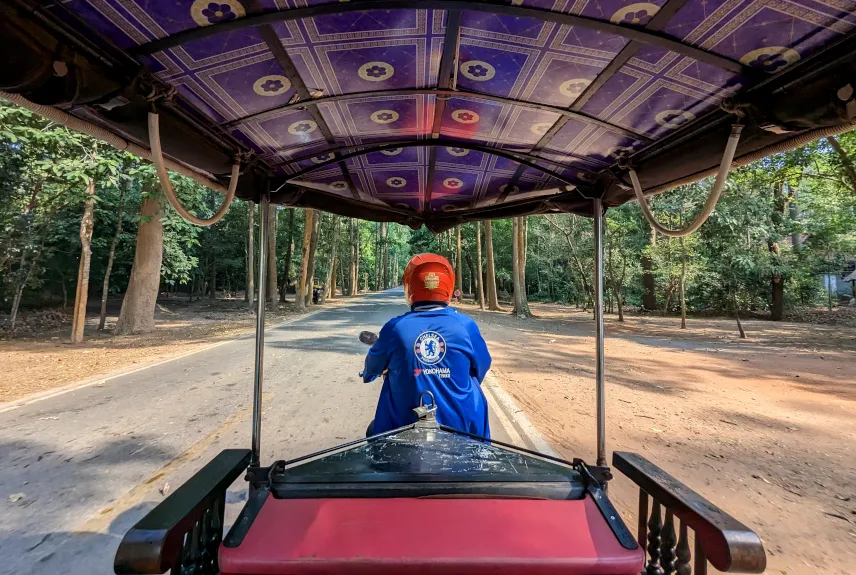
(377, 360)
(481, 356)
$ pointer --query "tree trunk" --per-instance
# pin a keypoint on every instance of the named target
(87, 222)
(472, 274)
(737, 317)
(19, 290)
(669, 291)
(64, 287)
(357, 259)
(271, 255)
(352, 259)
(138, 306)
(289, 251)
(777, 307)
(300, 291)
(212, 288)
(384, 256)
(313, 249)
(777, 283)
(479, 276)
(251, 257)
(522, 242)
(515, 268)
(794, 214)
(845, 160)
(649, 291)
(490, 283)
(683, 285)
(458, 269)
(105, 288)
(330, 284)
(521, 307)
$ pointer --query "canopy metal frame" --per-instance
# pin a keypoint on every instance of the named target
(446, 83)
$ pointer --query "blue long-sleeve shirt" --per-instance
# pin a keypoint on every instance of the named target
(438, 350)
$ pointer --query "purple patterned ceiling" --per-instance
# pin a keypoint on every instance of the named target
(235, 80)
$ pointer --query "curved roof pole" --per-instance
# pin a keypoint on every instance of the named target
(712, 199)
(163, 176)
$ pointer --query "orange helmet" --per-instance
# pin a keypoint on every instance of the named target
(428, 277)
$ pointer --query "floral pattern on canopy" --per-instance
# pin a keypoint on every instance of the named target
(540, 107)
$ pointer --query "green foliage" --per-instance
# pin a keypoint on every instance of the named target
(790, 216)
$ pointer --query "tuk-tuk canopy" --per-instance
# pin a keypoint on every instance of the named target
(441, 111)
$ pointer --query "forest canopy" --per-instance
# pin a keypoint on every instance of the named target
(68, 203)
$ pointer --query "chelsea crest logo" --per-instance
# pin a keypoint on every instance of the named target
(430, 347)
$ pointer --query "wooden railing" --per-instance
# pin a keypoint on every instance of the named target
(183, 533)
(669, 510)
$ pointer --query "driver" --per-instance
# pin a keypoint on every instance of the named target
(430, 348)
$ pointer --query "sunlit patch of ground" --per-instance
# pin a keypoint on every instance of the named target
(43, 360)
(764, 427)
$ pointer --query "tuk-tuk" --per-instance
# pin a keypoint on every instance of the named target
(435, 113)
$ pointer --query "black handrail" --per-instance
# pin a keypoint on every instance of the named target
(186, 528)
(729, 545)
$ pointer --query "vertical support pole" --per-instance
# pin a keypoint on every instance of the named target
(597, 212)
(264, 208)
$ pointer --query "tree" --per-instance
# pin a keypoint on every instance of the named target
(649, 293)
(617, 230)
(846, 162)
(354, 287)
(458, 272)
(330, 284)
(573, 237)
(120, 217)
(300, 292)
(492, 300)
(313, 249)
(521, 305)
(271, 276)
(479, 280)
(138, 306)
(289, 251)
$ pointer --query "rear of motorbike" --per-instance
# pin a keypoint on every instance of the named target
(426, 498)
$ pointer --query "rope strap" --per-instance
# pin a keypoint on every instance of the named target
(712, 199)
(163, 176)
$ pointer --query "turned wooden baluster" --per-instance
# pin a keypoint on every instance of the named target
(654, 527)
(700, 558)
(667, 545)
(682, 565)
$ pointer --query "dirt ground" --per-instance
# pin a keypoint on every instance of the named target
(764, 427)
(39, 359)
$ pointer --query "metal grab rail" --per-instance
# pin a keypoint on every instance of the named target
(727, 544)
(183, 533)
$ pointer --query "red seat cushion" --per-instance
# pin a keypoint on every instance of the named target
(429, 536)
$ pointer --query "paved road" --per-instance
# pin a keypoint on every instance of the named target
(91, 462)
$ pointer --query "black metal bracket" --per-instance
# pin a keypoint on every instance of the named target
(607, 509)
